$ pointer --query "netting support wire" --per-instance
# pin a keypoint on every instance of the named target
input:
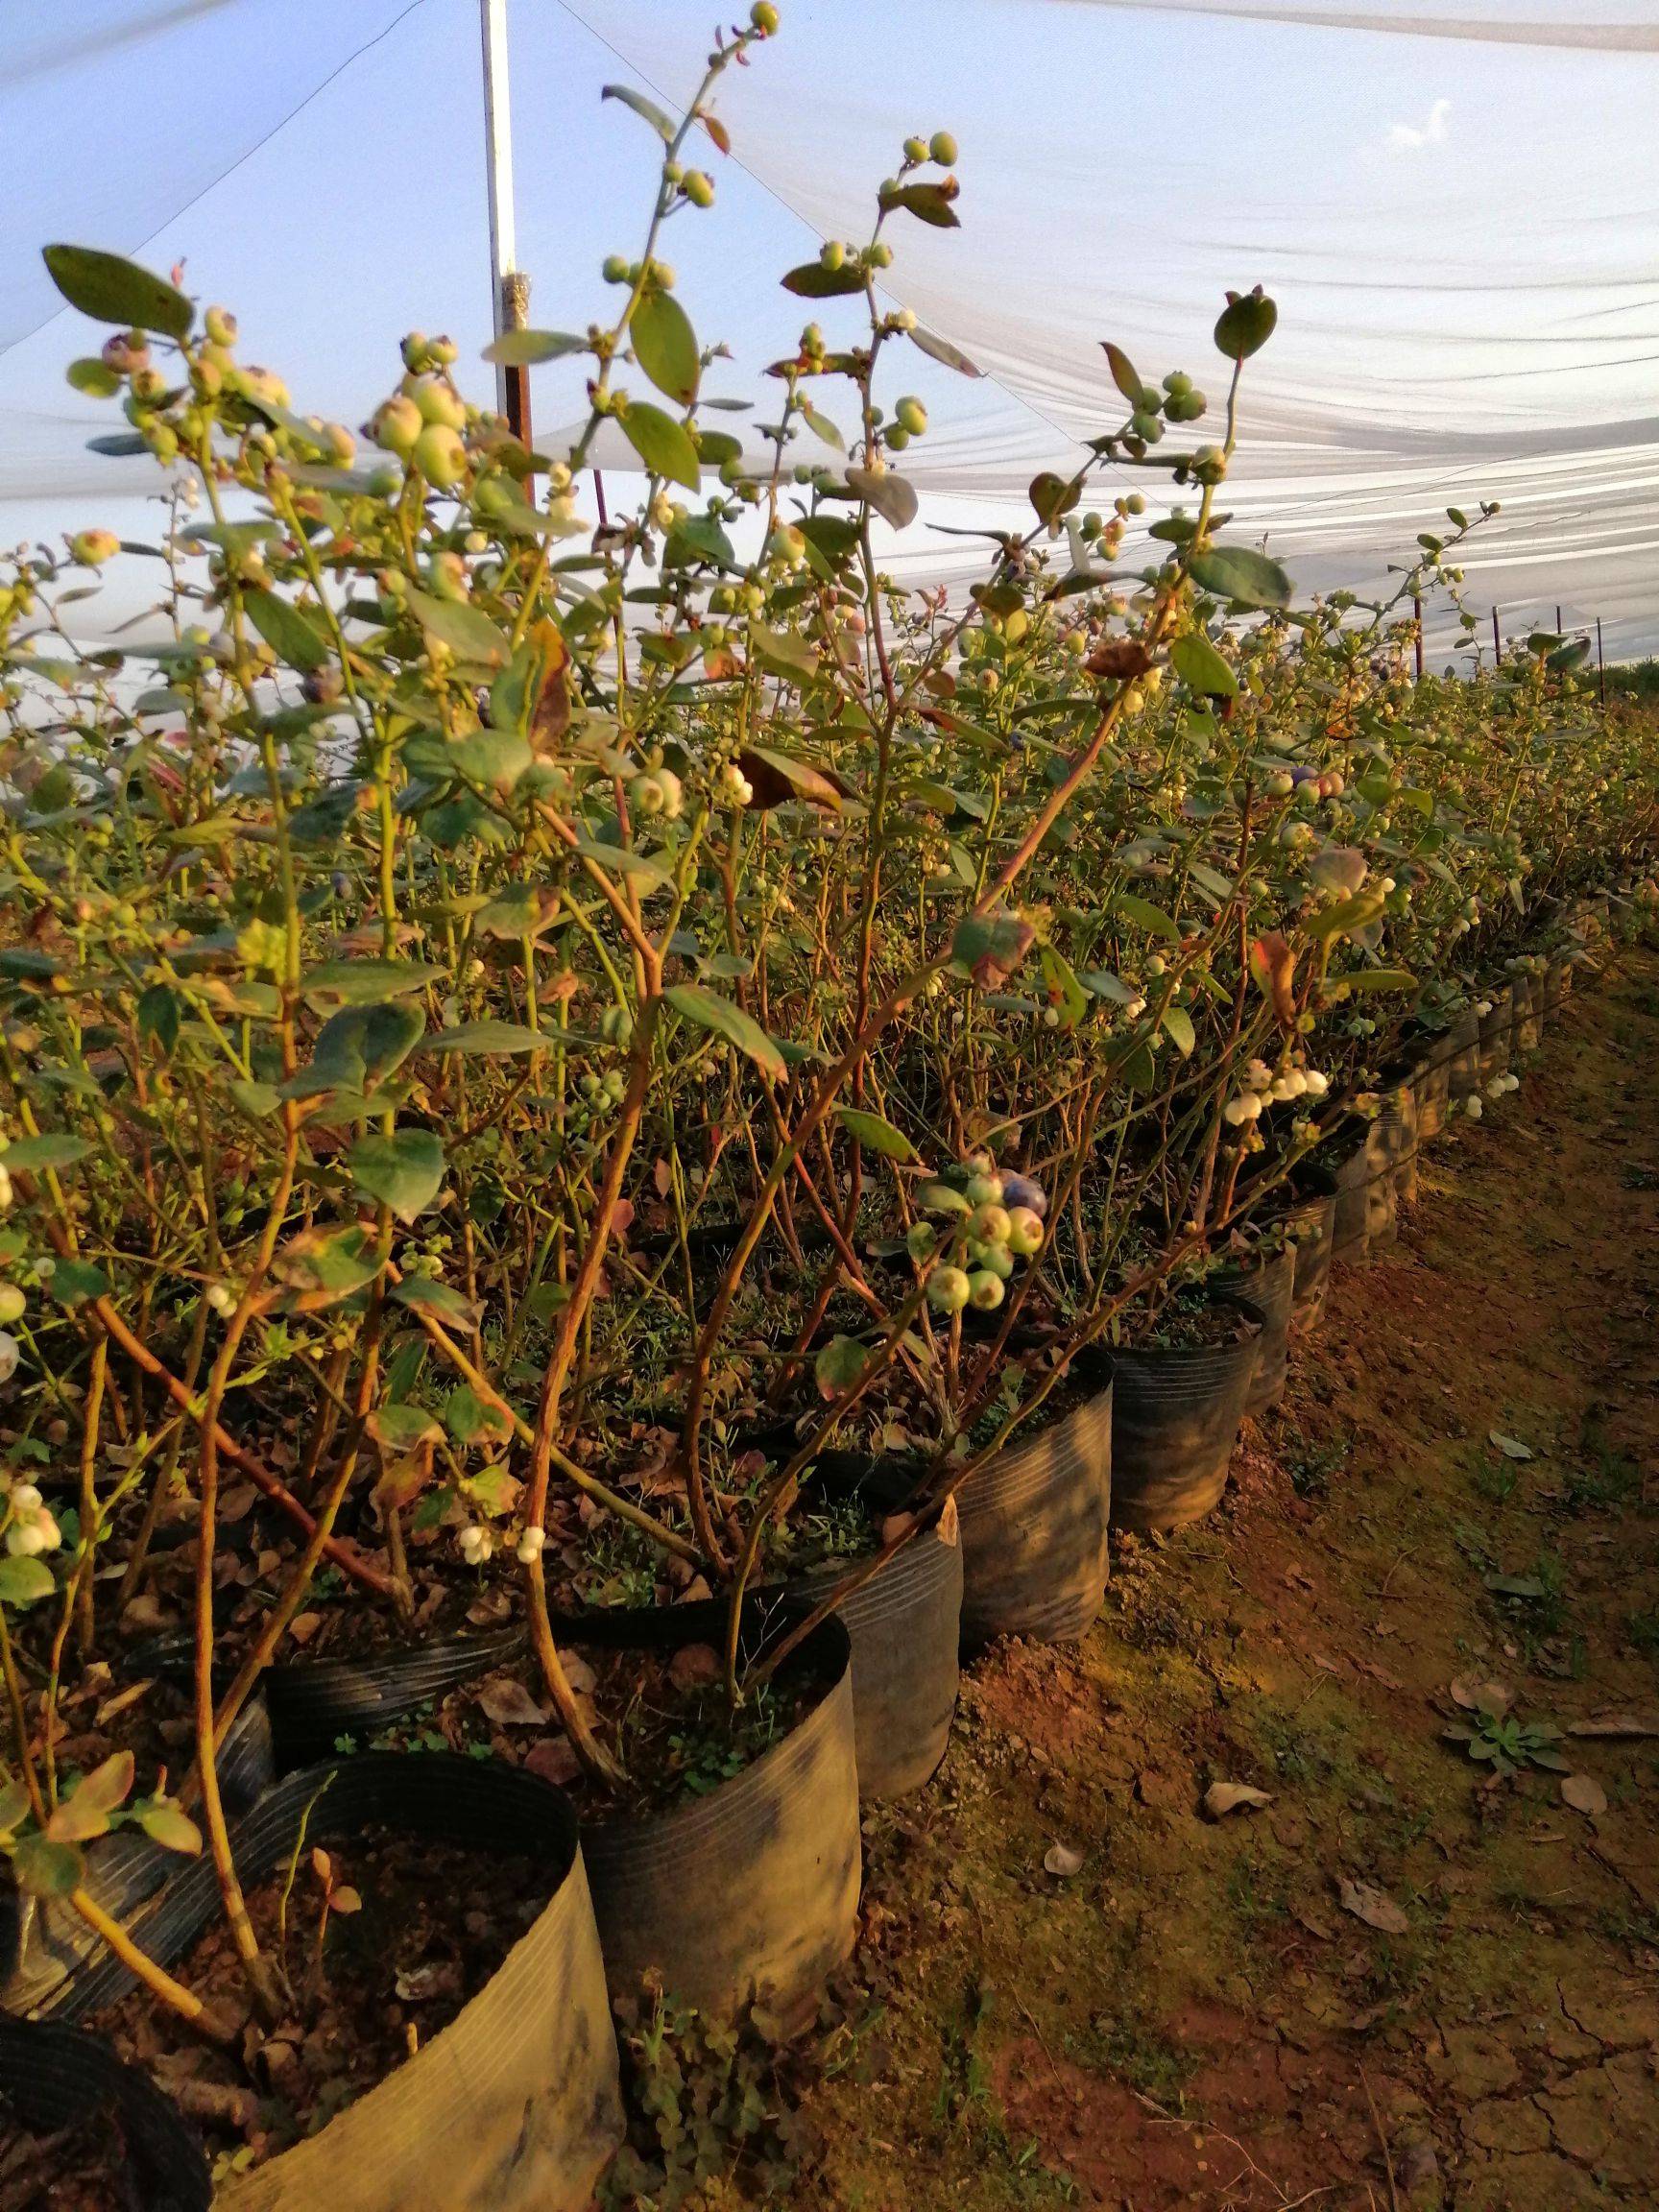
(510, 287)
(1417, 614)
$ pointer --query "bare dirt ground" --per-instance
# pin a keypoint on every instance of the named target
(1402, 1982)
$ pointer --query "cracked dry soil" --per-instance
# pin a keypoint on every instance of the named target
(1199, 2017)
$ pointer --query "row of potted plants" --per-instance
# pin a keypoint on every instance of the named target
(612, 1122)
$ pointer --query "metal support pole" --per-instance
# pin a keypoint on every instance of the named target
(1600, 663)
(510, 287)
(1417, 612)
(1557, 621)
(1497, 640)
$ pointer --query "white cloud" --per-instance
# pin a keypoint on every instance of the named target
(1411, 137)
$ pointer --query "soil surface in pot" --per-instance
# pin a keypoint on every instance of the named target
(663, 1713)
(417, 1928)
(1189, 1324)
(84, 2168)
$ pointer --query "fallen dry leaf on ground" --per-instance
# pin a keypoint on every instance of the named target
(1367, 1903)
(1584, 1794)
(1062, 1862)
(1223, 1797)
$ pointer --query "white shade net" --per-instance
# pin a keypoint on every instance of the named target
(1454, 211)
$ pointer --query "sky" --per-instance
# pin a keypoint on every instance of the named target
(1460, 230)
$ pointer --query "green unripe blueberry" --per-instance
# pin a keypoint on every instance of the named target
(699, 188)
(831, 254)
(943, 148)
(440, 455)
(615, 269)
(915, 148)
(910, 415)
(764, 17)
(948, 1290)
(985, 1293)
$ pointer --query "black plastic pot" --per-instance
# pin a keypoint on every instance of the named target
(1431, 1087)
(1351, 1217)
(1266, 1286)
(904, 1628)
(1309, 1222)
(1463, 1059)
(516, 2104)
(56, 2077)
(1034, 1524)
(1394, 1143)
(1495, 1028)
(749, 1894)
(1176, 1418)
(44, 1940)
(1527, 1015)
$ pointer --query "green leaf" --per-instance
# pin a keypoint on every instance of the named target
(928, 203)
(1346, 916)
(988, 946)
(1245, 324)
(1201, 668)
(1177, 1025)
(665, 346)
(74, 1281)
(496, 1039)
(168, 1824)
(468, 631)
(1123, 373)
(813, 282)
(255, 1099)
(1145, 916)
(663, 445)
(525, 349)
(292, 632)
(160, 1013)
(357, 1048)
(424, 1295)
(1052, 496)
(40, 1153)
(404, 1170)
(114, 290)
(472, 1420)
(939, 348)
(622, 862)
(1246, 578)
(1373, 980)
(820, 426)
(892, 495)
(47, 1869)
(84, 1813)
(642, 106)
(839, 1366)
(705, 1009)
(24, 1581)
(369, 982)
(1065, 993)
(874, 1134)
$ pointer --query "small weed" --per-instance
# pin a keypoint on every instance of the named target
(1311, 1465)
(1496, 1480)
(707, 2102)
(1643, 1630)
(1506, 1744)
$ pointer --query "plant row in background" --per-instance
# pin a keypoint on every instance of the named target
(611, 1122)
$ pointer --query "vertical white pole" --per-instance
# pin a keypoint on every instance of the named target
(498, 141)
